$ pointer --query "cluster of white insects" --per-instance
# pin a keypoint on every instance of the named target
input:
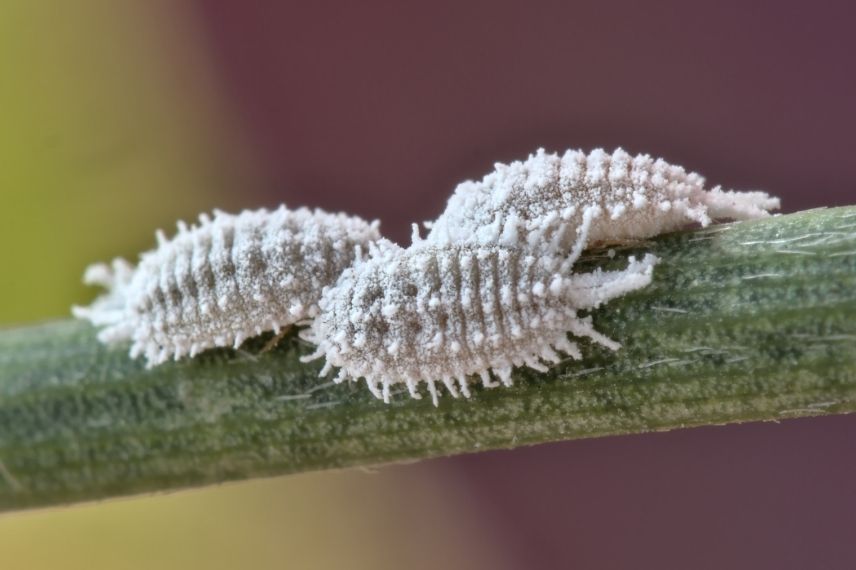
(489, 288)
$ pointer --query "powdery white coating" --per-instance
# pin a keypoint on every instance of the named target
(224, 280)
(443, 313)
(544, 200)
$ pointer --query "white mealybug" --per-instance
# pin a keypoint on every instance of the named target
(224, 280)
(546, 200)
(443, 313)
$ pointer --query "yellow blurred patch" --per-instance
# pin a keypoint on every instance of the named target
(110, 126)
(325, 520)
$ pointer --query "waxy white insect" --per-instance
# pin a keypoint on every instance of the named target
(229, 278)
(443, 313)
(544, 201)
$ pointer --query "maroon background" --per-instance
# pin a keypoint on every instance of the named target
(379, 108)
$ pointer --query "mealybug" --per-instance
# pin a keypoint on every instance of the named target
(443, 313)
(545, 201)
(226, 279)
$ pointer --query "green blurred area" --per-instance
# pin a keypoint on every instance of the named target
(111, 126)
(109, 130)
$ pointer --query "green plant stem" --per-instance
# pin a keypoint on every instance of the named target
(749, 321)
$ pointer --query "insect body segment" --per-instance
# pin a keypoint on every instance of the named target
(226, 279)
(439, 314)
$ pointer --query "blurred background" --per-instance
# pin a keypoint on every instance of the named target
(117, 118)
